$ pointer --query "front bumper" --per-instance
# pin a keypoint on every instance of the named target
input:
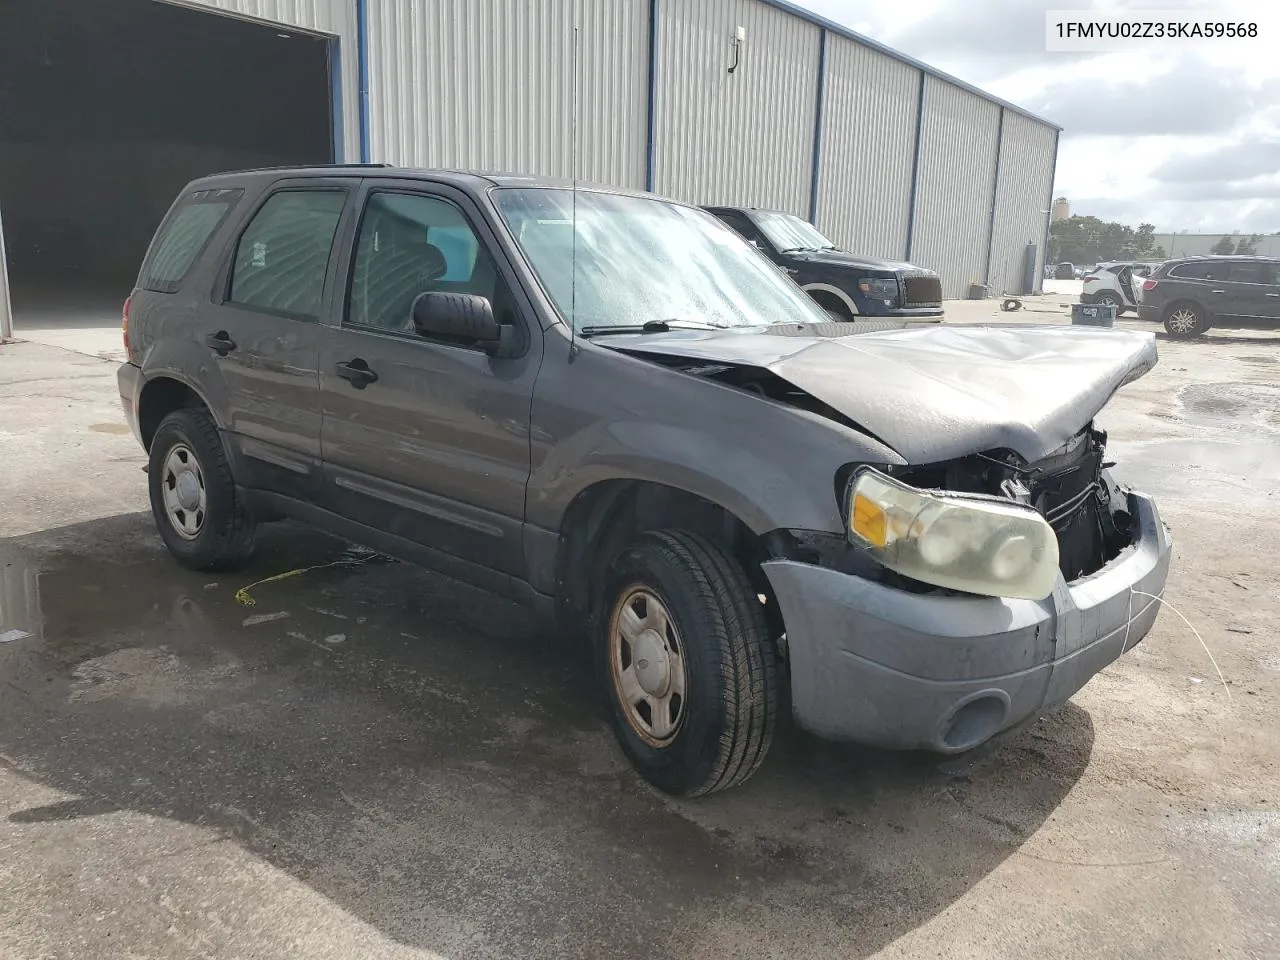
(876, 308)
(129, 381)
(887, 668)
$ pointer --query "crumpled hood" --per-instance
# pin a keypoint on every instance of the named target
(939, 392)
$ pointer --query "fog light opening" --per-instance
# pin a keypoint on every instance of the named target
(974, 722)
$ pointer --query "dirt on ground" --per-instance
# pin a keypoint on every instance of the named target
(375, 762)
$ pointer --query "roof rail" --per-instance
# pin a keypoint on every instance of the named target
(308, 166)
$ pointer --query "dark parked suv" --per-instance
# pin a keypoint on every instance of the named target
(607, 406)
(1190, 295)
(844, 284)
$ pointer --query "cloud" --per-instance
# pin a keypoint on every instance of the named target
(982, 39)
(1246, 160)
(1257, 189)
(1191, 97)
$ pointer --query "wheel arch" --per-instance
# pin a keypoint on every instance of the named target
(160, 396)
(820, 291)
(607, 515)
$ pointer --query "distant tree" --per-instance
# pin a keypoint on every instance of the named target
(1224, 247)
(1158, 253)
(1090, 240)
(1248, 246)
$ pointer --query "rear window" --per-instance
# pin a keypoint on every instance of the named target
(184, 235)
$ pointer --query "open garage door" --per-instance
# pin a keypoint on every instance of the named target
(107, 107)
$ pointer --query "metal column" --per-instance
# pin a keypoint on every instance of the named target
(6, 302)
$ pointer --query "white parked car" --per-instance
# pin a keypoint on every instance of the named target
(1114, 283)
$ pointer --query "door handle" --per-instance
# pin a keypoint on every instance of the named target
(1273, 294)
(220, 343)
(358, 372)
(1217, 291)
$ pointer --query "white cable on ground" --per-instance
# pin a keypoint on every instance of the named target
(1230, 698)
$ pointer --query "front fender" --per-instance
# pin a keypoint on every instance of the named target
(610, 416)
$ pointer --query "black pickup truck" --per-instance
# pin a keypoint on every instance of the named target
(844, 284)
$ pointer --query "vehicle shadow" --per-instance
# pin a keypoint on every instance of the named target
(419, 755)
(1215, 336)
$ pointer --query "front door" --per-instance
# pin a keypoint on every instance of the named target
(427, 439)
(263, 333)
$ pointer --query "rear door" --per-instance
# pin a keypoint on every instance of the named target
(1252, 290)
(427, 439)
(263, 328)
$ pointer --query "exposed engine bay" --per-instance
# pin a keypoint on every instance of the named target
(1070, 488)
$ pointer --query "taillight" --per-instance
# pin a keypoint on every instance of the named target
(124, 322)
(1088, 278)
(1149, 284)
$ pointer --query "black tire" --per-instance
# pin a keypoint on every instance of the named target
(1184, 320)
(731, 680)
(832, 306)
(225, 538)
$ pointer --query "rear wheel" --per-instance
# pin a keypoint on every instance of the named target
(1109, 300)
(687, 663)
(1184, 320)
(193, 497)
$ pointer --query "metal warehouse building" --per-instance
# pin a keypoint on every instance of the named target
(108, 106)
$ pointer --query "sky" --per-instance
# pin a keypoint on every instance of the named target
(1187, 139)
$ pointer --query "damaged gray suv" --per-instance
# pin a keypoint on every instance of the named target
(610, 407)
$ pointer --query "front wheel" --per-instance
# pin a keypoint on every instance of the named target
(687, 663)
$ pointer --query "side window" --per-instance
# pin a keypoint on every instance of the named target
(283, 254)
(1201, 270)
(1252, 273)
(183, 237)
(411, 244)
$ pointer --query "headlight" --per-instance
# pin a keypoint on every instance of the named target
(978, 546)
(881, 289)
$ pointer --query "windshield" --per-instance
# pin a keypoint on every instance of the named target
(791, 233)
(638, 260)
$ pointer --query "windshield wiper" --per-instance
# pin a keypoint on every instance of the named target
(651, 326)
(798, 250)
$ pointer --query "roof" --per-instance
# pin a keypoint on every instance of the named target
(476, 180)
(841, 30)
(1223, 256)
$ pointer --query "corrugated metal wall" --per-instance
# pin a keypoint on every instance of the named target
(1022, 200)
(745, 137)
(954, 192)
(868, 142)
(487, 85)
(334, 17)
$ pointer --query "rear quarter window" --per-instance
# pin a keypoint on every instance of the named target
(184, 235)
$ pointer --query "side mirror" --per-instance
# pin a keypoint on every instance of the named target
(462, 318)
